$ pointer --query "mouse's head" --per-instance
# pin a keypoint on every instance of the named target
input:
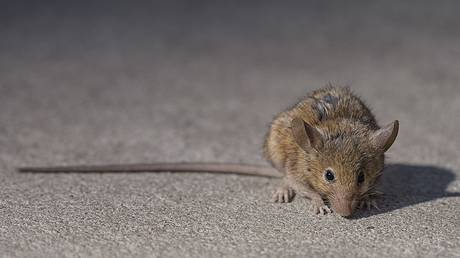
(343, 160)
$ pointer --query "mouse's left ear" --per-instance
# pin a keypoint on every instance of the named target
(383, 138)
(305, 135)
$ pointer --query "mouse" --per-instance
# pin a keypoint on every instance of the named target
(327, 148)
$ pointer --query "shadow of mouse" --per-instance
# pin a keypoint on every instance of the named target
(405, 185)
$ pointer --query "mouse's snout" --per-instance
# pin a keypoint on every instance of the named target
(343, 210)
(343, 205)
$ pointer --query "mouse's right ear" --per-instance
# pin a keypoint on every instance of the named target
(305, 135)
(383, 138)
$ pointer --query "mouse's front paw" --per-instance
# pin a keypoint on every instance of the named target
(320, 208)
(283, 194)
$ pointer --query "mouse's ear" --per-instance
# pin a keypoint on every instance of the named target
(383, 138)
(305, 135)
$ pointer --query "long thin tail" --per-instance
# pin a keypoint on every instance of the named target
(160, 167)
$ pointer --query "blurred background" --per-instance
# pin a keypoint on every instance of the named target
(102, 68)
(93, 82)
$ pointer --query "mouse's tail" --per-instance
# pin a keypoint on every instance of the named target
(161, 167)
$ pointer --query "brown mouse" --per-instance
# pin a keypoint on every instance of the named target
(327, 147)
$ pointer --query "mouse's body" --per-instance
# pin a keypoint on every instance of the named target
(328, 146)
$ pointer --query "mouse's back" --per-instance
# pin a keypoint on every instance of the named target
(331, 103)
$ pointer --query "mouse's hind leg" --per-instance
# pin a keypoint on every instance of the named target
(283, 193)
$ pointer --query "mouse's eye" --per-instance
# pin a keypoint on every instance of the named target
(329, 175)
(360, 178)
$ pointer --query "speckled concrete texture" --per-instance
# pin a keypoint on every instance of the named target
(95, 83)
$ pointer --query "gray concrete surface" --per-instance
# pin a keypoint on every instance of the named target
(86, 83)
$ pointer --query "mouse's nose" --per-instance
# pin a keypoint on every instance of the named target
(343, 207)
(344, 213)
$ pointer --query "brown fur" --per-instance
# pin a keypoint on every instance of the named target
(346, 126)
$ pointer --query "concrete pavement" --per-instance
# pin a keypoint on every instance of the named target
(95, 83)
